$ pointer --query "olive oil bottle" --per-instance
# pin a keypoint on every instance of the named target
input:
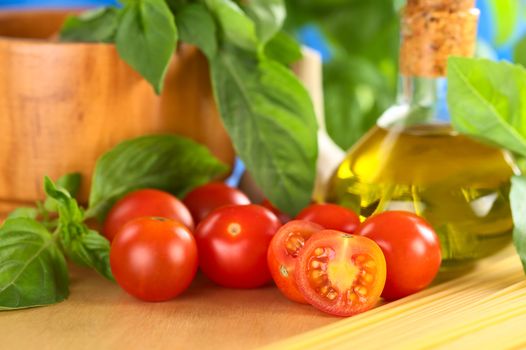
(413, 160)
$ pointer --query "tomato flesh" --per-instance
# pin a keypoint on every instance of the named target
(282, 254)
(340, 273)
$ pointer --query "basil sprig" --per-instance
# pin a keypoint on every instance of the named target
(487, 101)
(266, 110)
(35, 242)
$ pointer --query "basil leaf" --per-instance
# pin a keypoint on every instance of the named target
(196, 26)
(271, 121)
(519, 53)
(238, 29)
(268, 15)
(146, 39)
(284, 49)
(33, 271)
(518, 206)
(171, 163)
(487, 101)
(28, 213)
(82, 245)
(99, 25)
(71, 183)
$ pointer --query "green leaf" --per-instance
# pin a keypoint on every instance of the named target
(33, 271)
(146, 39)
(271, 121)
(519, 53)
(518, 206)
(284, 49)
(28, 213)
(268, 15)
(506, 17)
(82, 245)
(236, 26)
(99, 25)
(197, 27)
(487, 101)
(71, 183)
(167, 162)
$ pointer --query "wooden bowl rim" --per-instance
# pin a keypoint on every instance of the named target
(45, 42)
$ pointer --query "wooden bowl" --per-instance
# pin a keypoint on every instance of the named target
(64, 104)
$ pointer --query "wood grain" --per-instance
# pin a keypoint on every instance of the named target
(64, 104)
(98, 315)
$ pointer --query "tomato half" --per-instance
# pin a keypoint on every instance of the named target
(147, 202)
(233, 243)
(331, 216)
(340, 273)
(202, 200)
(283, 252)
(154, 259)
(411, 248)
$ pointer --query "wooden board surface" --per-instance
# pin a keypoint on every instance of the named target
(484, 306)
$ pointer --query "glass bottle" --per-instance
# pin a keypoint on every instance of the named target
(413, 160)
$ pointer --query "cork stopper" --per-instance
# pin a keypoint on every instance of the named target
(433, 30)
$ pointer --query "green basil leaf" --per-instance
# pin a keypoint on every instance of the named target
(197, 27)
(486, 100)
(71, 183)
(146, 39)
(28, 213)
(166, 162)
(283, 49)
(33, 271)
(99, 25)
(519, 53)
(236, 26)
(270, 118)
(506, 15)
(82, 245)
(518, 206)
(268, 15)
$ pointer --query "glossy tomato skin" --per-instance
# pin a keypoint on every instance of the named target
(331, 217)
(233, 243)
(204, 199)
(283, 251)
(411, 248)
(146, 202)
(154, 259)
(341, 274)
(284, 218)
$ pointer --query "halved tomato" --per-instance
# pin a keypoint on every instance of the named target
(340, 273)
(283, 252)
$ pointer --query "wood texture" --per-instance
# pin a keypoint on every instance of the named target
(64, 104)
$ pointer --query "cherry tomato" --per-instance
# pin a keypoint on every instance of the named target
(202, 200)
(340, 273)
(283, 252)
(233, 243)
(331, 216)
(154, 259)
(145, 203)
(284, 218)
(411, 249)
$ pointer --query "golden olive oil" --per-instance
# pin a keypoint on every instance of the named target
(459, 185)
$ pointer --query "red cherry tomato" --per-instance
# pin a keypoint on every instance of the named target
(145, 203)
(340, 273)
(331, 216)
(284, 218)
(154, 259)
(283, 252)
(411, 249)
(233, 243)
(202, 200)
